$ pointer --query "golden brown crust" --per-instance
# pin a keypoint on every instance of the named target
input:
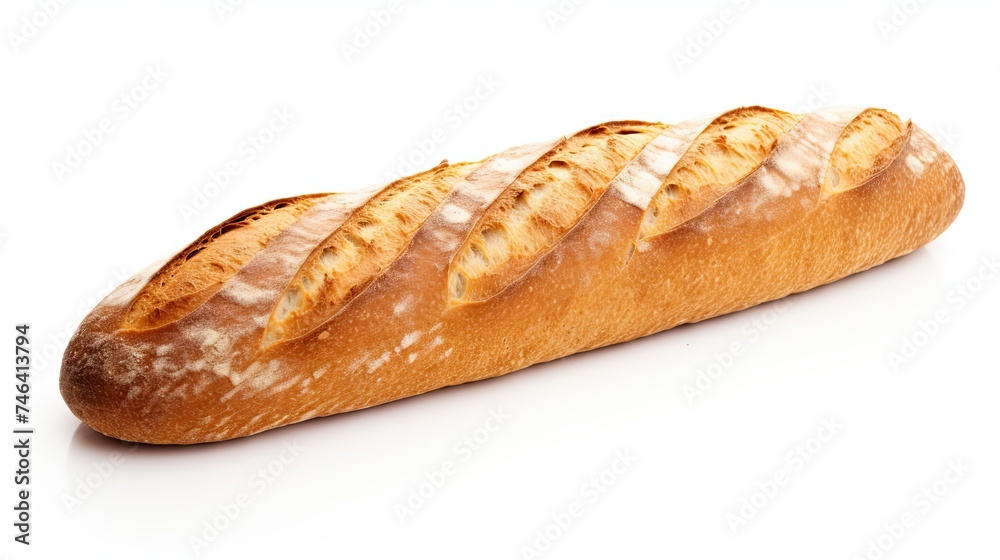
(211, 373)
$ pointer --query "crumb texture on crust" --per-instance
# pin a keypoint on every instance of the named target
(547, 200)
(356, 253)
(200, 270)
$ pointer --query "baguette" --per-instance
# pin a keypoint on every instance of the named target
(320, 304)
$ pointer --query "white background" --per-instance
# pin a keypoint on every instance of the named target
(69, 237)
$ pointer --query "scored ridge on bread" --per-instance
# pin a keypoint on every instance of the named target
(866, 146)
(728, 150)
(545, 201)
(350, 258)
(200, 270)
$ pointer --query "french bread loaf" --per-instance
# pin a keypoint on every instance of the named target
(320, 304)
